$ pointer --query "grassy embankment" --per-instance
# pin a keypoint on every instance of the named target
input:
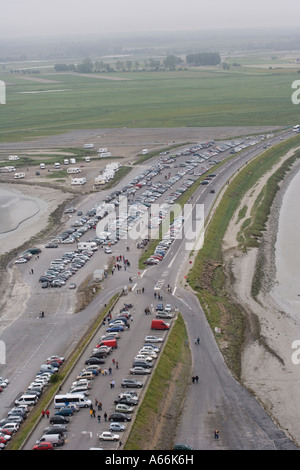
(207, 276)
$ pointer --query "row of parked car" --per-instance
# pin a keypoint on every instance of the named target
(63, 268)
(167, 240)
(18, 414)
(27, 255)
(126, 402)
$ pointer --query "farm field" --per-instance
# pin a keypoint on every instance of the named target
(47, 104)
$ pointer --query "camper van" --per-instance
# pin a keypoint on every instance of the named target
(88, 146)
(19, 175)
(73, 170)
(7, 169)
(105, 154)
(78, 181)
(66, 161)
(87, 246)
(13, 157)
(56, 165)
(42, 166)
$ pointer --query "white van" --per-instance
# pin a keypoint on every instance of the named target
(78, 399)
(66, 161)
(88, 146)
(56, 165)
(19, 175)
(42, 166)
(29, 400)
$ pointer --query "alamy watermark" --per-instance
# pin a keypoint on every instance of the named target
(2, 353)
(2, 92)
(181, 222)
(296, 93)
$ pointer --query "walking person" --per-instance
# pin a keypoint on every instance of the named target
(105, 416)
(99, 406)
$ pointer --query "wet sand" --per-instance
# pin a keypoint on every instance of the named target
(15, 209)
(23, 215)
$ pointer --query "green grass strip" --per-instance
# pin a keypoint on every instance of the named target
(206, 276)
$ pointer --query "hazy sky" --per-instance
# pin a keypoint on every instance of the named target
(58, 17)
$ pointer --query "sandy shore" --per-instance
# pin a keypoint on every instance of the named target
(46, 200)
(267, 366)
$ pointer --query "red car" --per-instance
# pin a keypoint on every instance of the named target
(43, 446)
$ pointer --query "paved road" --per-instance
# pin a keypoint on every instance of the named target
(219, 400)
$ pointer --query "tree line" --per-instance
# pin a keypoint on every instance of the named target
(171, 62)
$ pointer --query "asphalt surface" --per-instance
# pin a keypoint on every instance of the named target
(216, 401)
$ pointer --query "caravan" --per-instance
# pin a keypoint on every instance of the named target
(73, 170)
(19, 175)
(78, 181)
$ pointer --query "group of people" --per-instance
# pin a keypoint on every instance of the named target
(195, 379)
(98, 405)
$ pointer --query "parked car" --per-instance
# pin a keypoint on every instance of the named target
(65, 411)
(43, 446)
(153, 339)
(164, 315)
(94, 361)
(59, 419)
(117, 427)
(139, 370)
(126, 401)
(109, 436)
(131, 383)
(117, 416)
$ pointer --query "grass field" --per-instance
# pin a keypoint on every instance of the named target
(186, 98)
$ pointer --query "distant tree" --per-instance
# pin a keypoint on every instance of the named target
(204, 58)
(170, 62)
(86, 66)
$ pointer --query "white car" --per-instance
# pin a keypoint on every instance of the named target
(153, 339)
(148, 353)
(21, 261)
(130, 394)
(168, 308)
(109, 436)
(78, 383)
(108, 250)
(150, 347)
(143, 357)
